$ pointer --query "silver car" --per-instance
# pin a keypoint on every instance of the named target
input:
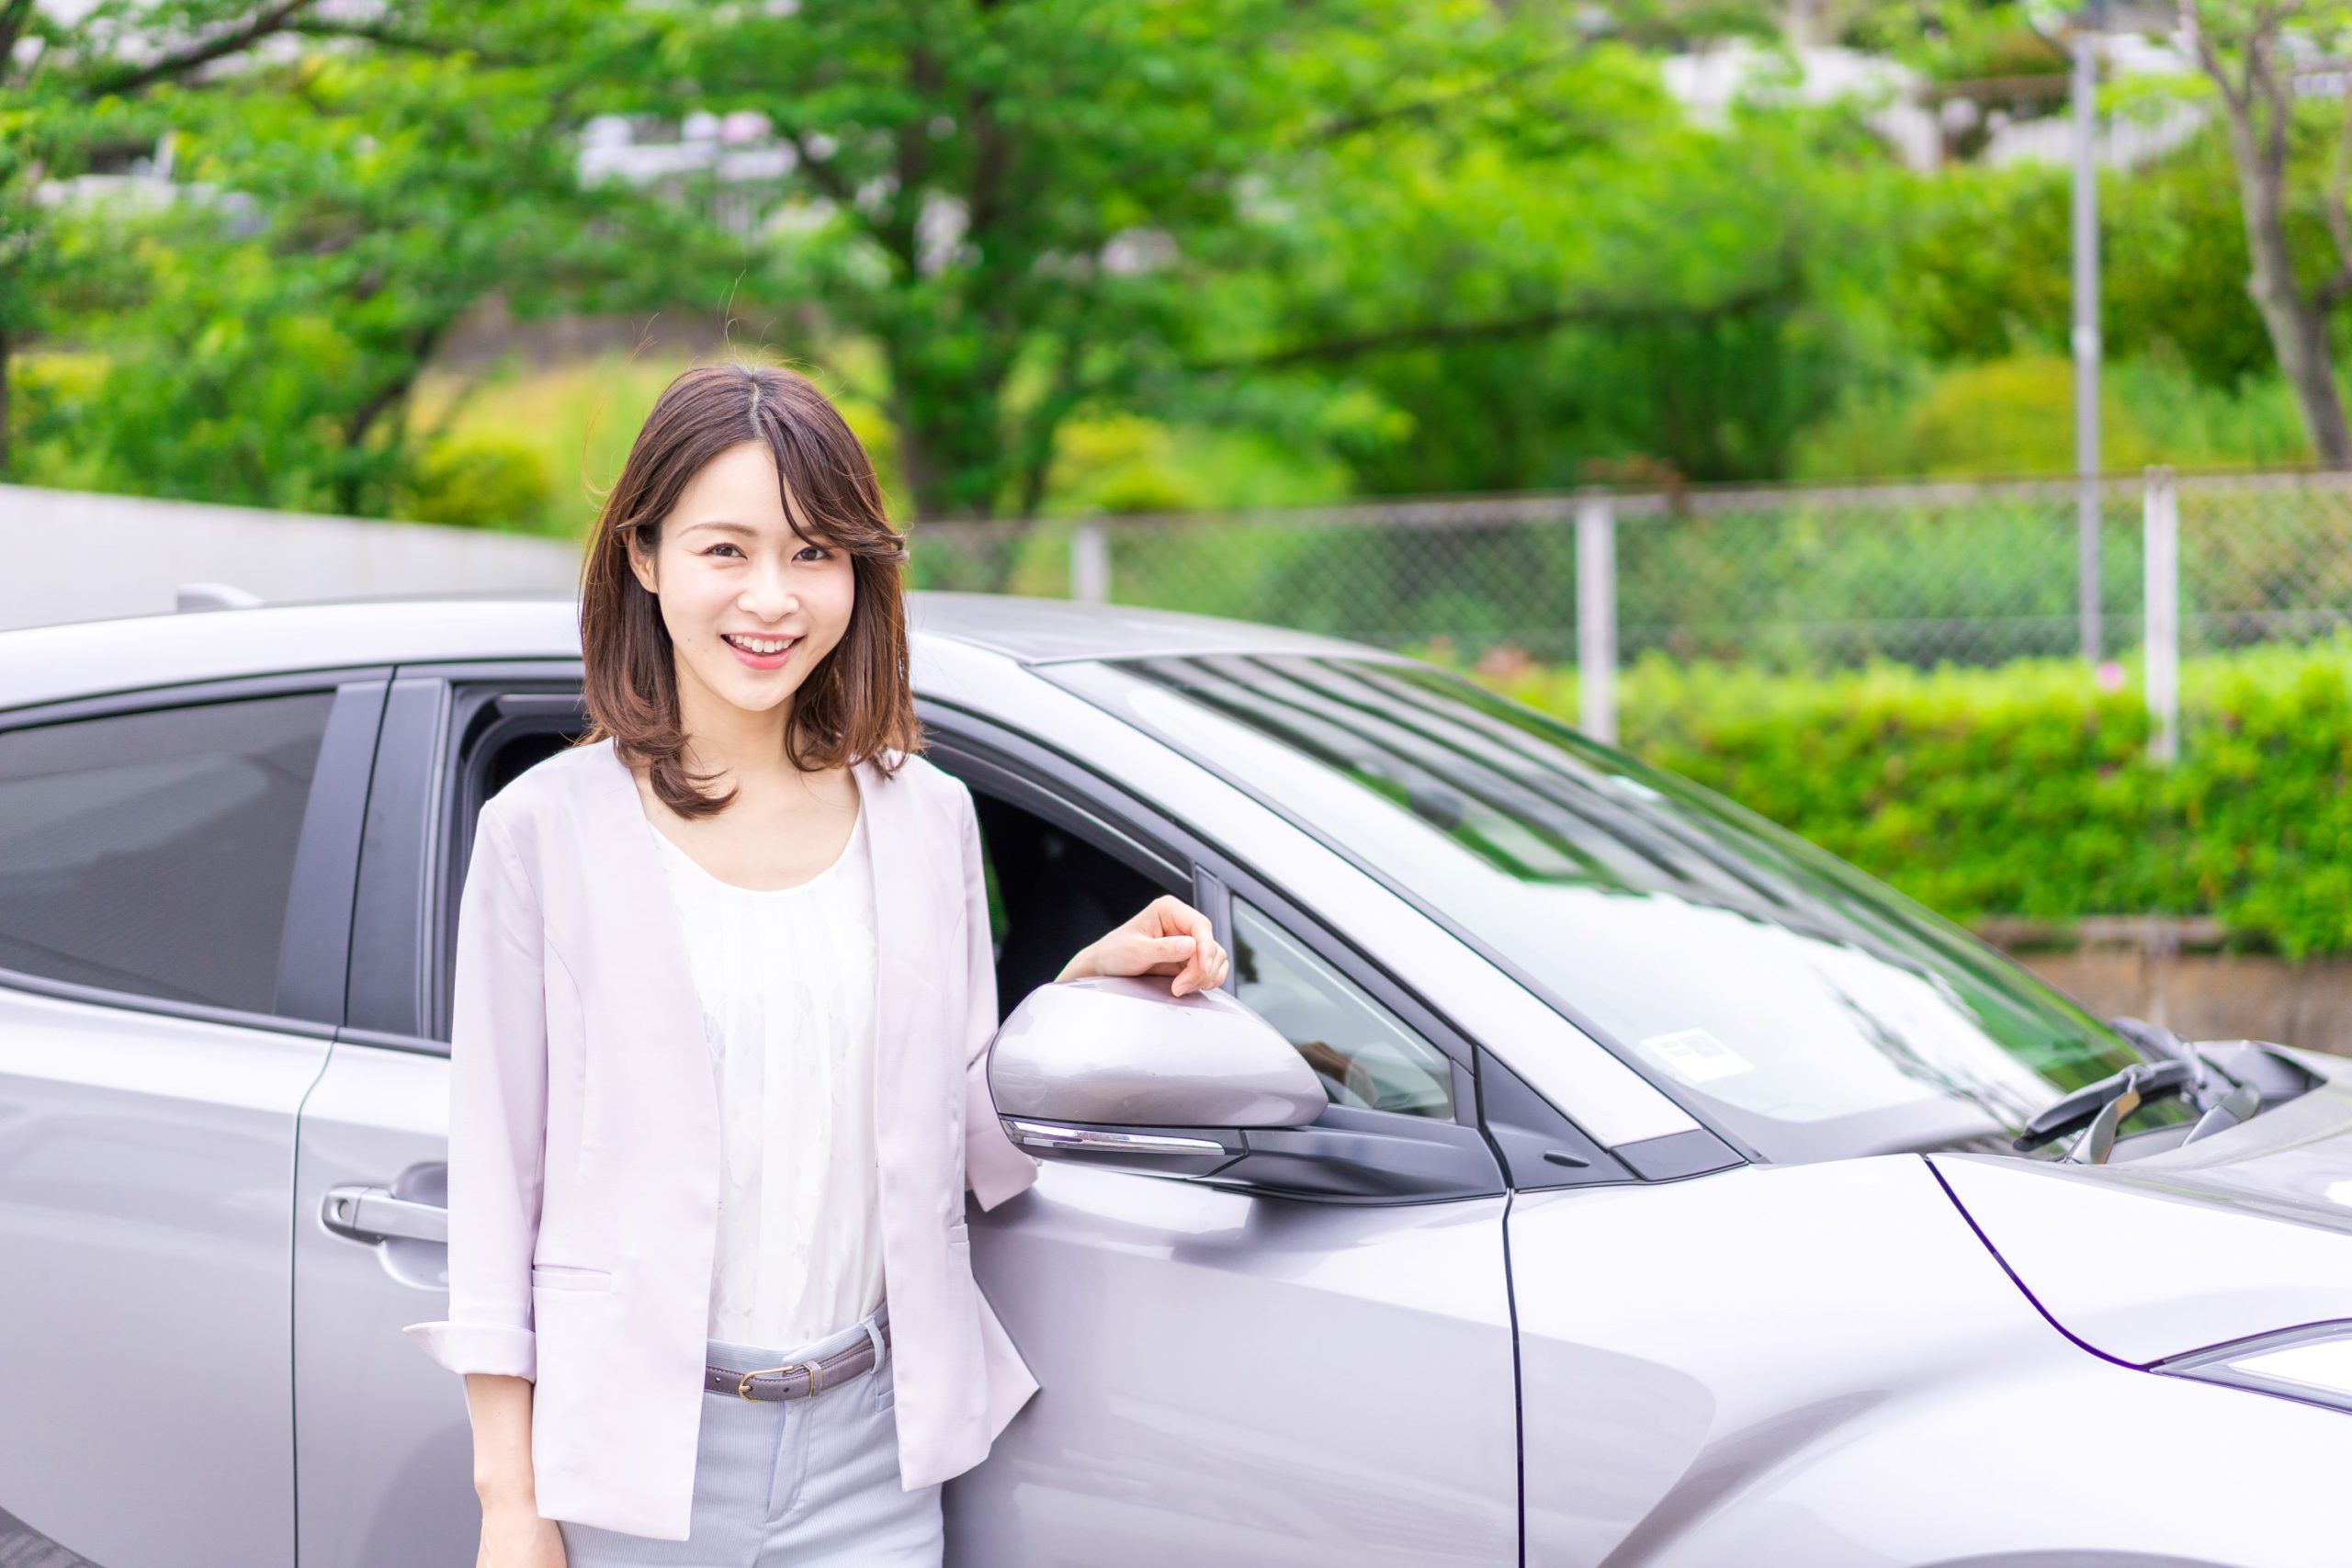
(1665, 1205)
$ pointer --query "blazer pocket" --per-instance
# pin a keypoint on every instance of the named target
(570, 1277)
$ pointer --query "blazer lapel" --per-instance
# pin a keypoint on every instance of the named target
(648, 931)
(900, 971)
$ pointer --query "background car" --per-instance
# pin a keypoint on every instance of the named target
(1665, 1207)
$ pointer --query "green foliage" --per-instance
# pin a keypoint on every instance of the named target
(2016, 415)
(576, 420)
(1078, 255)
(1985, 263)
(1614, 291)
(51, 396)
(2193, 424)
(2026, 790)
(1950, 41)
(1126, 464)
(1047, 130)
(479, 482)
(338, 205)
(1211, 215)
(1120, 464)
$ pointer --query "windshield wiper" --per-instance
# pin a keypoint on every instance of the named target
(2228, 1082)
(2102, 1106)
(2233, 1079)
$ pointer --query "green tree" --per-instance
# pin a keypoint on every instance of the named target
(1024, 206)
(1605, 291)
(2253, 51)
(72, 90)
(1982, 257)
(347, 201)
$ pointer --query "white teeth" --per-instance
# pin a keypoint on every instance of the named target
(763, 645)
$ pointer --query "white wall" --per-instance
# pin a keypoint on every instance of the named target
(67, 556)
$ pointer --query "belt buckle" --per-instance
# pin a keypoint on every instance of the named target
(815, 1377)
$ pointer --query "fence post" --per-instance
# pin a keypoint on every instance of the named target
(1597, 617)
(1090, 564)
(2160, 522)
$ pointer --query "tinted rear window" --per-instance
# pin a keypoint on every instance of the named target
(154, 853)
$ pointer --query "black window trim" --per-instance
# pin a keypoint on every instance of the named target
(475, 719)
(319, 902)
(415, 846)
(1000, 773)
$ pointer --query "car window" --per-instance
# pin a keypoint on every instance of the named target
(152, 852)
(1364, 1054)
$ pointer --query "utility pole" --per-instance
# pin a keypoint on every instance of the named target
(2084, 104)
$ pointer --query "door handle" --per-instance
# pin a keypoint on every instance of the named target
(373, 1215)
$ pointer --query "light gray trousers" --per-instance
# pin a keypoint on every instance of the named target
(798, 1482)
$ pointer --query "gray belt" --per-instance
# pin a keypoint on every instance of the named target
(798, 1380)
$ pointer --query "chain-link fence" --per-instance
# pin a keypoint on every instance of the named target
(1788, 579)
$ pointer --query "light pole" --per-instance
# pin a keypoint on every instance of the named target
(2084, 105)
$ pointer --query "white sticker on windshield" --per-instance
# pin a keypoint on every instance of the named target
(1695, 1057)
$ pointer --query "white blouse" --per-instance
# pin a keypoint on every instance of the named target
(786, 981)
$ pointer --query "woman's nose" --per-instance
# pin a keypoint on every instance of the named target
(770, 594)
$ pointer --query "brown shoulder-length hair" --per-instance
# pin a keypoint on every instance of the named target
(853, 706)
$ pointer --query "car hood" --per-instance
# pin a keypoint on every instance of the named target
(2243, 1233)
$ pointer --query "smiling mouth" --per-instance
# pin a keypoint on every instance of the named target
(762, 647)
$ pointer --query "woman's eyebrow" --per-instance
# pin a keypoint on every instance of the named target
(727, 528)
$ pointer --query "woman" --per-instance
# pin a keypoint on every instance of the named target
(723, 994)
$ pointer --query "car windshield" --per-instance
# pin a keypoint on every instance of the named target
(1799, 1006)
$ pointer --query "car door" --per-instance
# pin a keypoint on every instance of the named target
(384, 1456)
(176, 877)
(1239, 1372)
(1264, 1423)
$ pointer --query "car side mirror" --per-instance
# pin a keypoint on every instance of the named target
(1114, 1070)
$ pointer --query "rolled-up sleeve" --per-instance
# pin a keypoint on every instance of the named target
(994, 1165)
(497, 1126)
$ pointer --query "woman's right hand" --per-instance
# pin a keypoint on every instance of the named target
(514, 1536)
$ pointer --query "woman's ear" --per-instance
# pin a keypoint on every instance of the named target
(639, 562)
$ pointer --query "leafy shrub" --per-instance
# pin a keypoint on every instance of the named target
(2026, 789)
(49, 396)
(1119, 463)
(481, 482)
(2018, 416)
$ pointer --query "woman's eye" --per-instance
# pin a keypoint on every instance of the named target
(736, 553)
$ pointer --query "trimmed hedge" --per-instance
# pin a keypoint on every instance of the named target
(2025, 789)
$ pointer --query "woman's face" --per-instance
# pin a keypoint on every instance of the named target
(734, 581)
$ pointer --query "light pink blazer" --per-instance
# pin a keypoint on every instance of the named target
(583, 1137)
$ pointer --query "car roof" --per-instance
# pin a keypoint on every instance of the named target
(51, 663)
